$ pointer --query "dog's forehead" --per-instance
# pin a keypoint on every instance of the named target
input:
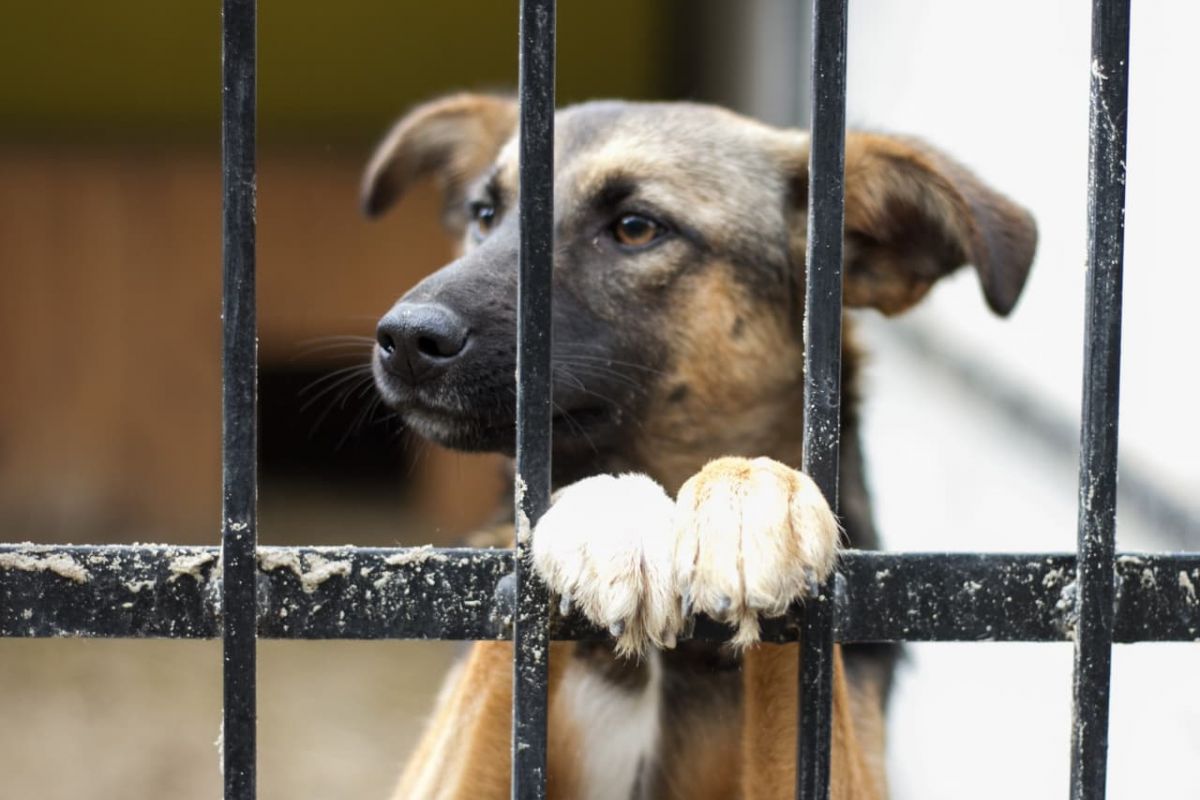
(674, 128)
(685, 149)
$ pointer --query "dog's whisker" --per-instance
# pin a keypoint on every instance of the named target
(367, 387)
(356, 425)
(594, 392)
(576, 427)
(335, 381)
(599, 354)
(582, 345)
(604, 397)
(331, 375)
(613, 362)
(601, 370)
(418, 447)
(357, 391)
(561, 371)
(328, 345)
(334, 350)
(351, 385)
(317, 341)
(335, 389)
(627, 387)
(382, 419)
(582, 387)
(354, 378)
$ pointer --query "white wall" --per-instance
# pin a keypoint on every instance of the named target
(1003, 86)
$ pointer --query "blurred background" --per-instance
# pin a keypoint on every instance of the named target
(110, 303)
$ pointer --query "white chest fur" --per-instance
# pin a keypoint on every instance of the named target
(618, 729)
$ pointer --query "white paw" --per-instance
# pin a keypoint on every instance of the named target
(751, 537)
(605, 547)
(745, 537)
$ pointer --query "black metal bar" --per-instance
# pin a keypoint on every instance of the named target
(531, 642)
(1101, 395)
(239, 408)
(112, 591)
(421, 593)
(822, 385)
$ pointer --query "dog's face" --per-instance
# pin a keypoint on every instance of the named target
(678, 274)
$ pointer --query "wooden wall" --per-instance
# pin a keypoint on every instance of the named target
(110, 329)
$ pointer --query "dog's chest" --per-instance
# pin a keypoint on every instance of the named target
(617, 727)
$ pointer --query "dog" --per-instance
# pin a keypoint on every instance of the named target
(678, 364)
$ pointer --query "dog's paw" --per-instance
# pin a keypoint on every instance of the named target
(746, 537)
(605, 546)
(751, 536)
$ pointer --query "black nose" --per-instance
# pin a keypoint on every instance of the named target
(417, 341)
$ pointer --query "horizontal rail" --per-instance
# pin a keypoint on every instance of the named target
(424, 593)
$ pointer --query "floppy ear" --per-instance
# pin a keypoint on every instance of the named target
(914, 216)
(452, 139)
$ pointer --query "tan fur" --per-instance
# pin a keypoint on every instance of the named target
(464, 754)
(708, 764)
(740, 369)
(769, 730)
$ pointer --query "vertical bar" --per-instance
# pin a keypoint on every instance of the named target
(1101, 395)
(239, 408)
(531, 644)
(822, 384)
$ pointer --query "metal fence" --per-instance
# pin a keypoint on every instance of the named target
(240, 592)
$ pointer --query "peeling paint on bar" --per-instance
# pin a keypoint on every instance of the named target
(31, 558)
(191, 565)
(1186, 584)
(415, 555)
(524, 530)
(312, 569)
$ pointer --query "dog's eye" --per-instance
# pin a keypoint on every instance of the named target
(636, 231)
(483, 216)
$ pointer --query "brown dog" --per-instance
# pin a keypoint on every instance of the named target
(678, 294)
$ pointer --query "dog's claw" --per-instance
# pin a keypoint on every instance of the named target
(724, 603)
(617, 628)
(564, 605)
(685, 605)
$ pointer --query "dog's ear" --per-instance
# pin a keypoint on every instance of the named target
(452, 139)
(914, 216)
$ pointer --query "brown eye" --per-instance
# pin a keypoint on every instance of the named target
(483, 216)
(634, 230)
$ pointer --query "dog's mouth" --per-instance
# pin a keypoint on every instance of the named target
(487, 422)
(496, 432)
